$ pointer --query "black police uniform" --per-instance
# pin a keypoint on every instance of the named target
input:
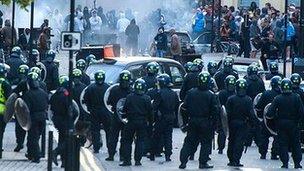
(78, 87)
(221, 139)
(59, 103)
(117, 126)
(14, 62)
(51, 76)
(190, 82)
(221, 76)
(255, 86)
(266, 98)
(287, 110)
(165, 106)
(93, 98)
(150, 81)
(4, 94)
(239, 112)
(270, 75)
(201, 107)
(138, 109)
(85, 79)
(37, 101)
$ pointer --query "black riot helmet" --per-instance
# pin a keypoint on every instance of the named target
(228, 64)
(81, 64)
(241, 87)
(199, 62)
(252, 70)
(204, 80)
(100, 77)
(23, 70)
(275, 83)
(16, 50)
(36, 70)
(50, 56)
(152, 68)
(125, 79)
(230, 82)
(212, 67)
(64, 81)
(295, 80)
(188, 67)
(90, 59)
(286, 86)
(274, 67)
(3, 70)
(164, 81)
(140, 87)
(76, 76)
(33, 80)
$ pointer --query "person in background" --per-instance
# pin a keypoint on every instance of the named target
(24, 40)
(198, 24)
(95, 22)
(161, 42)
(79, 23)
(44, 24)
(44, 42)
(175, 47)
(122, 25)
(7, 36)
(132, 32)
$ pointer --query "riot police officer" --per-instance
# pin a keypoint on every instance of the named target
(41, 83)
(201, 106)
(165, 106)
(93, 98)
(296, 81)
(14, 62)
(255, 85)
(274, 71)
(85, 79)
(199, 62)
(212, 68)
(37, 102)
(239, 109)
(188, 67)
(51, 70)
(90, 59)
(223, 97)
(223, 73)
(138, 111)
(117, 93)
(5, 88)
(287, 110)
(59, 105)
(266, 98)
(152, 71)
(20, 90)
(190, 81)
(77, 89)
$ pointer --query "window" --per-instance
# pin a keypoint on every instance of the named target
(176, 75)
(137, 71)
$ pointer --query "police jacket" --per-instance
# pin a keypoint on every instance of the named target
(190, 82)
(51, 76)
(94, 95)
(286, 107)
(166, 103)
(240, 108)
(59, 103)
(115, 95)
(14, 62)
(220, 77)
(224, 95)
(37, 101)
(150, 81)
(21, 88)
(85, 79)
(255, 86)
(266, 98)
(138, 108)
(76, 92)
(5, 91)
(201, 104)
(270, 75)
(300, 92)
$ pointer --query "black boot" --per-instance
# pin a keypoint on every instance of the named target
(137, 163)
(220, 152)
(284, 166)
(205, 166)
(128, 163)
(191, 157)
(18, 148)
(298, 166)
(168, 159)
(263, 157)
(182, 166)
(274, 157)
(110, 158)
(152, 157)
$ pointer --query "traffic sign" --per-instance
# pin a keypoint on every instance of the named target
(70, 41)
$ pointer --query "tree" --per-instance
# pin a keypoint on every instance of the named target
(23, 3)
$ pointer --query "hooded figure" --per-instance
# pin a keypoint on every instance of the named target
(132, 32)
(7, 36)
(24, 39)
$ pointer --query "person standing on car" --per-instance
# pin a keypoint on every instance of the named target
(93, 98)
(223, 96)
(201, 106)
(117, 93)
(132, 32)
(266, 98)
(239, 109)
(287, 110)
(81, 65)
(165, 106)
(175, 47)
(138, 109)
(14, 62)
(37, 101)
(161, 42)
(223, 73)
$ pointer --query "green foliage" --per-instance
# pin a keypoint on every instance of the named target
(22, 3)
